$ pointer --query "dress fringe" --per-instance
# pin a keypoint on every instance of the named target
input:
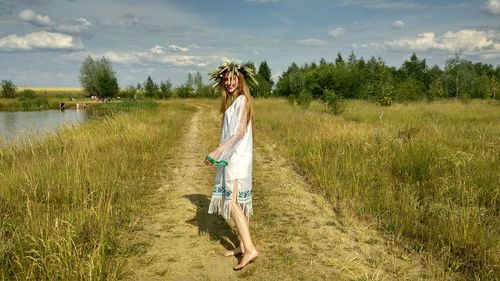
(222, 207)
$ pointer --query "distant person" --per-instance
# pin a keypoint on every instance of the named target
(62, 106)
(232, 191)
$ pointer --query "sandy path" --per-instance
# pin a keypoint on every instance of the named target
(295, 230)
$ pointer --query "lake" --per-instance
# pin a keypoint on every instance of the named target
(20, 124)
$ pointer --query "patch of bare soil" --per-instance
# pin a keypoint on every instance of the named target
(295, 230)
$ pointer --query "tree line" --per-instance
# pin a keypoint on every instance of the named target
(330, 82)
(359, 79)
(98, 78)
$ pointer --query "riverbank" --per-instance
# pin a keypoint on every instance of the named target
(32, 99)
(64, 198)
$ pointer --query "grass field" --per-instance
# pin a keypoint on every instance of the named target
(428, 171)
(54, 90)
(65, 199)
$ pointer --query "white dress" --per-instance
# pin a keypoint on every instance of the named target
(235, 147)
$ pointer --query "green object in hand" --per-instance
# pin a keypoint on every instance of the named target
(219, 164)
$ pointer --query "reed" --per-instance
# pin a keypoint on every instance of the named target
(428, 172)
(65, 198)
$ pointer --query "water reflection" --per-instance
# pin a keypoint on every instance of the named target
(18, 125)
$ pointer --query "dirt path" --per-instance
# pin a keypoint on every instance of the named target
(296, 231)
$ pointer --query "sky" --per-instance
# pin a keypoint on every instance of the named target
(44, 42)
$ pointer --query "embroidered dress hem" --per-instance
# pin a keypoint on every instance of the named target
(221, 202)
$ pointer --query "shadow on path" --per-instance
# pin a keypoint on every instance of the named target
(214, 225)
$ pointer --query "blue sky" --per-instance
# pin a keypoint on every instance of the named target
(43, 42)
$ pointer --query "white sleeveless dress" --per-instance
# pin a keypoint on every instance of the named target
(235, 147)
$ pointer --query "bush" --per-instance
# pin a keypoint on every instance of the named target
(129, 92)
(334, 103)
(304, 99)
(8, 88)
(184, 91)
(27, 94)
(165, 89)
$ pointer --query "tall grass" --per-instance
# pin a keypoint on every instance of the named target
(427, 171)
(65, 198)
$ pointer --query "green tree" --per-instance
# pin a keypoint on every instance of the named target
(263, 89)
(416, 69)
(8, 88)
(283, 84)
(165, 89)
(150, 88)
(380, 88)
(352, 60)
(296, 83)
(459, 77)
(265, 73)
(197, 83)
(107, 86)
(436, 90)
(410, 89)
(481, 86)
(92, 71)
(339, 59)
(183, 91)
(190, 82)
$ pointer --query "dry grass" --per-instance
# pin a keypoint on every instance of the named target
(65, 198)
(427, 172)
(51, 91)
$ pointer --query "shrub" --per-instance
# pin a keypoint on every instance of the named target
(334, 103)
(8, 88)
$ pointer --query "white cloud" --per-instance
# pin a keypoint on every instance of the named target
(158, 50)
(399, 24)
(175, 48)
(376, 46)
(40, 40)
(424, 41)
(494, 7)
(155, 56)
(312, 42)
(38, 20)
(464, 40)
(79, 26)
(125, 57)
(337, 32)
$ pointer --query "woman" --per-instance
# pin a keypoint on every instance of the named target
(232, 192)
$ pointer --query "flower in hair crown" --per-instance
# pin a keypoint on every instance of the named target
(246, 70)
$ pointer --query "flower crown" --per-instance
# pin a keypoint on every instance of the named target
(220, 71)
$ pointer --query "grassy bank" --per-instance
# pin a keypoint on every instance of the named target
(29, 99)
(64, 199)
(428, 171)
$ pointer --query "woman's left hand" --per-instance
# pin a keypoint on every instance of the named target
(208, 163)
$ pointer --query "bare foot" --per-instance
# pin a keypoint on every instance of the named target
(247, 258)
(236, 251)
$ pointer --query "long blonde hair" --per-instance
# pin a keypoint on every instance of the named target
(227, 99)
